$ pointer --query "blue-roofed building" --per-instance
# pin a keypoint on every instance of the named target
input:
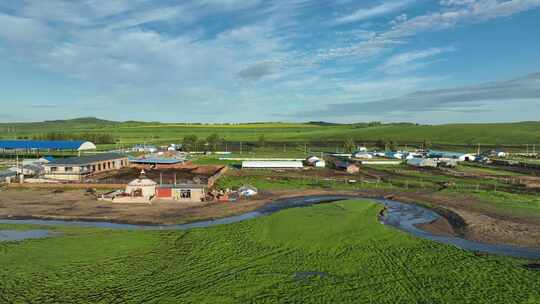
(156, 161)
(45, 145)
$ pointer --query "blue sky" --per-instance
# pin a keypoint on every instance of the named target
(253, 60)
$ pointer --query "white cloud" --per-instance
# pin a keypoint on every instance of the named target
(384, 8)
(130, 51)
(465, 12)
(177, 13)
(409, 60)
(22, 30)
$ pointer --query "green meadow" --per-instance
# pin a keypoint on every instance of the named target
(329, 253)
(154, 132)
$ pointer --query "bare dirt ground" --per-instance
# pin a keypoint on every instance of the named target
(475, 220)
(80, 205)
(463, 215)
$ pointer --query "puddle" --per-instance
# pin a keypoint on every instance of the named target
(19, 235)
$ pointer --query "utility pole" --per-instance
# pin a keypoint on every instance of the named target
(240, 147)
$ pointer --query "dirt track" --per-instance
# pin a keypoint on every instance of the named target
(79, 205)
(464, 215)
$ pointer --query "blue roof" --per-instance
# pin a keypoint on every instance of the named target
(444, 154)
(155, 160)
(41, 144)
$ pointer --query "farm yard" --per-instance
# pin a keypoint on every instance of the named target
(337, 252)
(334, 252)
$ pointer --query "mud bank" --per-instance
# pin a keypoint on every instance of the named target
(402, 216)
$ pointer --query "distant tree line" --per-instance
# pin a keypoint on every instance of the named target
(210, 143)
(97, 138)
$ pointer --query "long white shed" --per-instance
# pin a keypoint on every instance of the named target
(281, 164)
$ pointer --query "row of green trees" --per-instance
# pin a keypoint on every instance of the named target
(213, 141)
(97, 138)
(210, 143)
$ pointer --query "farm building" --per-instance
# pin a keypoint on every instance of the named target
(45, 145)
(397, 155)
(77, 168)
(314, 161)
(181, 192)
(247, 191)
(311, 160)
(28, 169)
(320, 164)
(144, 148)
(142, 186)
(272, 164)
(453, 155)
(448, 162)
(362, 155)
(156, 161)
(422, 162)
(347, 166)
(7, 176)
(342, 163)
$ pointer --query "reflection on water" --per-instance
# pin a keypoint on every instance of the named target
(18, 235)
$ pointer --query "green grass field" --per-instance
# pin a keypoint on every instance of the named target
(331, 253)
(524, 205)
(138, 132)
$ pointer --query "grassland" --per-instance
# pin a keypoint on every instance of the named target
(508, 203)
(332, 253)
(137, 132)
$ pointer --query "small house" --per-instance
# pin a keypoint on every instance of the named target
(247, 191)
(422, 162)
(7, 176)
(141, 186)
(78, 168)
(181, 193)
(311, 160)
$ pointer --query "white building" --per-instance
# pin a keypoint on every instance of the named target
(320, 164)
(269, 164)
(142, 187)
(362, 155)
(247, 191)
(422, 162)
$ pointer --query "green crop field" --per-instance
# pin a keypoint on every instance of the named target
(330, 253)
(153, 132)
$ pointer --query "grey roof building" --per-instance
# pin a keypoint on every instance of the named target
(77, 168)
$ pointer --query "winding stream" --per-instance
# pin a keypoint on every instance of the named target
(398, 215)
